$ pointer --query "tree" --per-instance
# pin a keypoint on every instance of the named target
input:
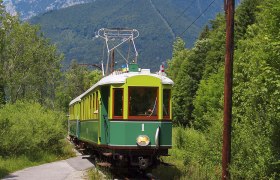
(186, 83)
(2, 44)
(31, 65)
(198, 92)
(182, 101)
(256, 89)
(208, 102)
(214, 56)
(245, 16)
(178, 55)
(74, 81)
(204, 33)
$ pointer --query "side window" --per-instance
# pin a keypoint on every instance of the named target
(96, 104)
(96, 101)
(118, 103)
(166, 103)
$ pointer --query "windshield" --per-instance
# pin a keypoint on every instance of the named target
(143, 102)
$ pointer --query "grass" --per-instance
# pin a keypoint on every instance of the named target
(94, 174)
(175, 168)
(178, 168)
(15, 163)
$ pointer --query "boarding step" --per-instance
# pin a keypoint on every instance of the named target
(104, 164)
(81, 149)
(107, 154)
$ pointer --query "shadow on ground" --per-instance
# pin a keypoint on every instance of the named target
(167, 171)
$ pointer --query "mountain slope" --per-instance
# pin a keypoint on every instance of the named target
(29, 8)
(74, 28)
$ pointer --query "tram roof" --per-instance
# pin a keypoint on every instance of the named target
(120, 78)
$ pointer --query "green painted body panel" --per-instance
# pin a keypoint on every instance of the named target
(89, 131)
(133, 67)
(74, 128)
(124, 133)
(104, 123)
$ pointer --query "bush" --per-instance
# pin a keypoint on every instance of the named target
(28, 127)
(195, 146)
(179, 137)
(208, 101)
(197, 154)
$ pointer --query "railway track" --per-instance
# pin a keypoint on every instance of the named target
(127, 174)
(122, 172)
(116, 173)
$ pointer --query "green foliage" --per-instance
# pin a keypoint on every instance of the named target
(2, 95)
(257, 92)
(245, 16)
(92, 77)
(75, 80)
(28, 127)
(178, 55)
(202, 151)
(194, 156)
(181, 96)
(187, 79)
(14, 163)
(94, 174)
(2, 45)
(196, 64)
(29, 70)
(208, 101)
(198, 95)
(195, 147)
(30, 65)
(179, 138)
(215, 50)
(204, 33)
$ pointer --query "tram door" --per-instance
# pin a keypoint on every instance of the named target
(105, 93)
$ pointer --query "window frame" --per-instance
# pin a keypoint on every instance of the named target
(169, 103)
(155, 117)
(113, 104)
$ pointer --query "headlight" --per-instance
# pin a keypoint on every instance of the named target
(143, 140)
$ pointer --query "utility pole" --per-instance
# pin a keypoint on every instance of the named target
(226, 154)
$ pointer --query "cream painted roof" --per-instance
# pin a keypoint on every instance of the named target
(120, 78)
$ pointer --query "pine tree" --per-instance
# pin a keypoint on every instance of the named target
(178, 55)
(245, 16)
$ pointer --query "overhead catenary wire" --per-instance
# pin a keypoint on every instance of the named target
(214, 1)
(197, 18)
(182, 13)
(191, 23)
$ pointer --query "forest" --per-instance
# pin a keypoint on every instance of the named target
(198, 93)
(34, 96)
(35, 91)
